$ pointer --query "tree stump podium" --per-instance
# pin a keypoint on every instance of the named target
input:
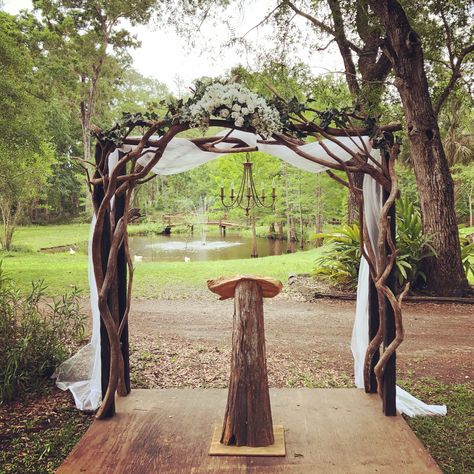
(248, 417)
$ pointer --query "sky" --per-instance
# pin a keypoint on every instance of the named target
(169, 58)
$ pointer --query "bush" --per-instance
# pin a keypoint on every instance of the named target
(467, 255)
(340, 263)
(413, 245)
(35, 335)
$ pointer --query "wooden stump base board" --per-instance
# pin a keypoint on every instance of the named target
(276, 449)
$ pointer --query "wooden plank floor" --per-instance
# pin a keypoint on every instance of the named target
(326, 430)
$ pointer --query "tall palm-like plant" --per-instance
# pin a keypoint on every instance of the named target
(458, 132)
(412, 244)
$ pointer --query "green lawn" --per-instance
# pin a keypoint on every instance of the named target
(450, 438)
(61, 271)
(39, 236)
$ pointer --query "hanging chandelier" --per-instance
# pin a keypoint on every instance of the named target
(247, 196)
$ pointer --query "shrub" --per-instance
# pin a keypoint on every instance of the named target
(467, 255)
(340, 263)
(413, 245)
(35, 335)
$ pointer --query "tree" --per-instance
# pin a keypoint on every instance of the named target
(457, 125)
(445, 274)
(25, 156)
(94, 43)
(23, 178)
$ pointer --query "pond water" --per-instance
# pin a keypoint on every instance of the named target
(177, 248)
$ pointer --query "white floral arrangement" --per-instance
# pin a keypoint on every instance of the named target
(236, 103)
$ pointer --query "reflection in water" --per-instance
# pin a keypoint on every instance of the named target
(192, 246)
(176, 248)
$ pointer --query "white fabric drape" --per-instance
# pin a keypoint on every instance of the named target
(81, 373)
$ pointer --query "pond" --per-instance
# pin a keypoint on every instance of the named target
(177, 248)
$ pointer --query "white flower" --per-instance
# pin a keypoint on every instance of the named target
(239, 102)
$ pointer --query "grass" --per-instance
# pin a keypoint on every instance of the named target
(152, 278)
(61, 271)
(450, 439)
(35, 237)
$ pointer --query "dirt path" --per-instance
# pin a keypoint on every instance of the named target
(186, 343)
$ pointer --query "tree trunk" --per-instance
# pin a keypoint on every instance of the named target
(319, 211)
(288, 212)
(373, 70)
(471, 213)
(352, 200)
(291, 242)
(445, 274)
(248, 417)
(280, 230)
(254, 239)
(300, 209)
(271, 231)
(10, 217)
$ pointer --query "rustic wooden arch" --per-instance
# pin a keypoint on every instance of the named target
(113, 268)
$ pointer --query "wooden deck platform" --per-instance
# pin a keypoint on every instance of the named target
(326, 430)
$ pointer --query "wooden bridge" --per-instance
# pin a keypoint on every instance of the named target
(173, 220)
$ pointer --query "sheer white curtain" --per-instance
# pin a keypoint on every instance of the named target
(81, 373)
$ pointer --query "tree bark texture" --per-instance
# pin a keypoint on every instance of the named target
(445, 274)
(352, 201)
(248, 417)
(373, 68)
(389, 378)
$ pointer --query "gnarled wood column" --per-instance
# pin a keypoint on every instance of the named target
(248, 416)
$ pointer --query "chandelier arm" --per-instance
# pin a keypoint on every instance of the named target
(259, 201)
(241, 193)
(255, 194)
